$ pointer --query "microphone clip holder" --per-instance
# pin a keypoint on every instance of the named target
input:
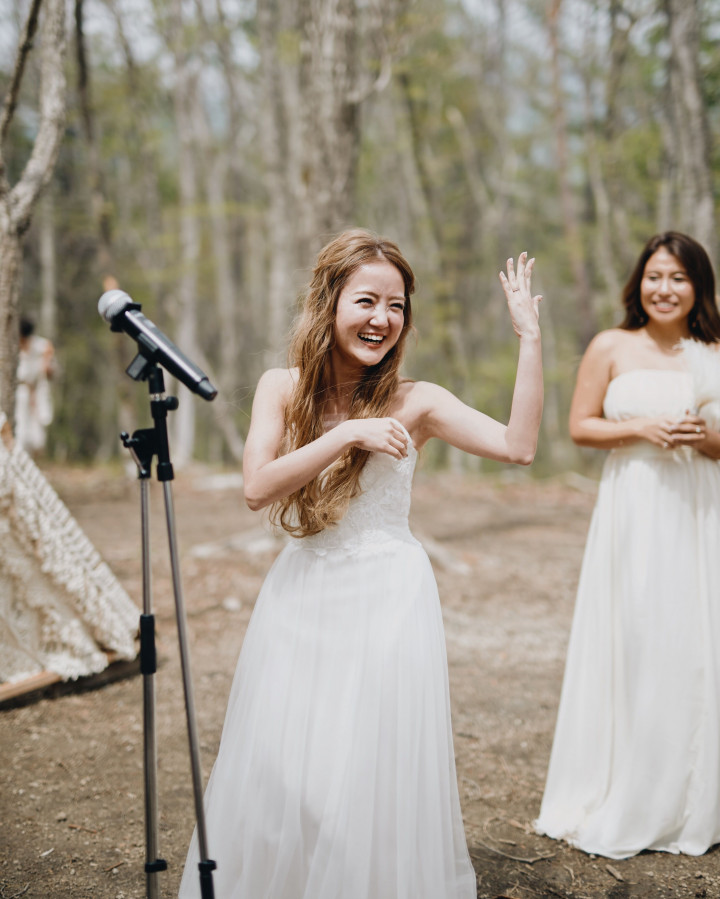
(144, 366)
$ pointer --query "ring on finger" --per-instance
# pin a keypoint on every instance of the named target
(698, 430)
(665, 444)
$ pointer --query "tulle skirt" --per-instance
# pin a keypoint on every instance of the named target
(335, 777)
(635, 762)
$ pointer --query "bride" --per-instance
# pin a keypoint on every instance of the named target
(335, 777)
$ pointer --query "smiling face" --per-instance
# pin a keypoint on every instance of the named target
(667, 294)
(369, 316)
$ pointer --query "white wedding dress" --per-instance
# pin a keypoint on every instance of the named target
(635, 761)
(335, 777)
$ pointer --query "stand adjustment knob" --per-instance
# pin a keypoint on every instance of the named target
(158, 865)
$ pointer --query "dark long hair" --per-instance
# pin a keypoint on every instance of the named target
(704, 317)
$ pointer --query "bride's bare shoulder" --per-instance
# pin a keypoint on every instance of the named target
(419, 393)
(278, 381)
(280, 376)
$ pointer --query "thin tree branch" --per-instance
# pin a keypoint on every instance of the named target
(10, 102)
(99, 206)
(83, 78)
(39, 166)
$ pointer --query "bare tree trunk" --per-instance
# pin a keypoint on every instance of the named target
(226, 290)
(186, 324)
(490, 183)
(666, 186)
(421, 155)
(151, 256)
(604, 250)
(622, 22)
(311, 136)
(696, 208)
(255, 297)
(17, 203)
(280, 132)
(331, 126)
(48, 267)
(612, 242)
(571, 224)
(10, 283)
(215, 170)
(99, 206)
(554, 425)
(221, 164)
(454, 346)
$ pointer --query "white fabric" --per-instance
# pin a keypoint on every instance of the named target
(61, 607)
(335, 777)
(635, 762)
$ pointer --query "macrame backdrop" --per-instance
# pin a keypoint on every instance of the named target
(61, 608)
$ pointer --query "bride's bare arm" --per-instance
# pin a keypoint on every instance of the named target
(445, 416)
(448, 418)
(269, 476)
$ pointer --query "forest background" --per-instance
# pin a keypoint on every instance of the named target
(200, 152)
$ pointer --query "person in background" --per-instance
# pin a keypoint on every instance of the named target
(33, 398)
(635, 762)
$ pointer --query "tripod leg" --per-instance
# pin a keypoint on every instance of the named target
(206, 865)
(148, 663)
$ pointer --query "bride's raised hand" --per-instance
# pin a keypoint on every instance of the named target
(523, 306)
(378, 435)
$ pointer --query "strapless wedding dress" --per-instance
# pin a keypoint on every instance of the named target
(335, 777)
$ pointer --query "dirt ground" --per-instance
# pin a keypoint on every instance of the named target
(507, 555)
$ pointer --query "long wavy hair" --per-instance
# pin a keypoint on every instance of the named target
(704, 317)
(324, 500)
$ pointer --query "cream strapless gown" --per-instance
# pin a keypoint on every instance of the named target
(635, 761)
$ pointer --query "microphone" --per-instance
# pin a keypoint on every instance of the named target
(116, 307)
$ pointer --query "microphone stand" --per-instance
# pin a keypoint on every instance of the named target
(143, 446)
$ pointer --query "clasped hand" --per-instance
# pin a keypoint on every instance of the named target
(378, 435)
(691, 430)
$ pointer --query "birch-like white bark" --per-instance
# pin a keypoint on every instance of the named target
(695, 201)
(17, 203)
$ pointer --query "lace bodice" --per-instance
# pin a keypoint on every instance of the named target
(378, 515)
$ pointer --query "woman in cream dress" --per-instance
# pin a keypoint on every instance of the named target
(635, 761)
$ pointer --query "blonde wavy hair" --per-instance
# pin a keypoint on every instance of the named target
(324, 500)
